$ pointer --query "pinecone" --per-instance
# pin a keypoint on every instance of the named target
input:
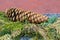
(15, 14)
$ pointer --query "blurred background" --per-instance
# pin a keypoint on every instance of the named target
(39, 6)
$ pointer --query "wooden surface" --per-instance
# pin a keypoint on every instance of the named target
(40, 6)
